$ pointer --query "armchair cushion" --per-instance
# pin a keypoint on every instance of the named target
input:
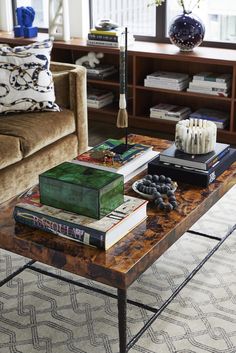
(37, 130)
(26, 82)
(10, 150)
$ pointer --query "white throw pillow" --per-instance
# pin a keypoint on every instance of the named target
(26, 82)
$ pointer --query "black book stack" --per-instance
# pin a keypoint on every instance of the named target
(198, 170)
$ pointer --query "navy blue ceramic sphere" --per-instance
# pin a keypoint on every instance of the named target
(186, 31)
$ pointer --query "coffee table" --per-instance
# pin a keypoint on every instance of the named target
(122, 264)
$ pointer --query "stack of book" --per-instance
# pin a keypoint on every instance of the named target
(111, 38)
(101, 71)
(87, 204)
(168, 80)
(98, 98)
(129, 164)
(200, 170)
(169, 112)
(220, 118)
(211, 83)
(101, 233)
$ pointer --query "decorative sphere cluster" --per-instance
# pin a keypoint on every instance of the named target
(157, 185)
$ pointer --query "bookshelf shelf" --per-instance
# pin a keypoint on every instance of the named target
(145, 58)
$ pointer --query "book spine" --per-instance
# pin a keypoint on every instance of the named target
(103, 37)
(103, 43)
(210, 79)
(106, 33)
(99, 71)
(213, 93)
(59, 227)
(217, 158)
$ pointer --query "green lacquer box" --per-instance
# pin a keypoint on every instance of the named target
(88, 191)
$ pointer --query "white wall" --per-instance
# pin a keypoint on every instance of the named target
(79, 17)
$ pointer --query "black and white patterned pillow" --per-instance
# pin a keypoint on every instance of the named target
(26, 82)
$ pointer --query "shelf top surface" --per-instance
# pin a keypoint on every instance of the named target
(146, 48)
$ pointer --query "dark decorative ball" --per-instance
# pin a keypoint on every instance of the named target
(186, 31)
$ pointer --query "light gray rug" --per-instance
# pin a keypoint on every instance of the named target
(41, 314)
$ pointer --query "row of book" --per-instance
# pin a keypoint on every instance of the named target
(203, 82)
(109, 38)
(199, 170)
(171, 112)
(36, 212)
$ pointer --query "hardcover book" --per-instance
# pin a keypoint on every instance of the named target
(87, 191)
(101, 233)
(126, 163)
(98, 94)
(198, 161)
(167, 76)
(98, 69)
(212, 77)
(193, 176)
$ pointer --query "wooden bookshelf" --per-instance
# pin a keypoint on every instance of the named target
(145, 58)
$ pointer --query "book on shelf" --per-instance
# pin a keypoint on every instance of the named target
(169, 111)
(104, 37)
(103, 43)
(166, 85)
(101, 75)
(112, 32)
(99, 69)
(208, 91)
(129, 164)
(97, 93)
(101, 233)
(210, 84)
(167, 77)
(193, 176)
(198, 161)
(163, 116)
(213, 89)
(97, 104)
(219, 117)
(212, 77)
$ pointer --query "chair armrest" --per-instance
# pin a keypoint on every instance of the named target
(77, 98)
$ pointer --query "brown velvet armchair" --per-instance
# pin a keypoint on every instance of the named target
(31, 143)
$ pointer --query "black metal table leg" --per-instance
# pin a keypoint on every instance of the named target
(122, 319)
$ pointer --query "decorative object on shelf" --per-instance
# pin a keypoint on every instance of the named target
(186, 30)
(25, 18)
(195, 136)
(106, 25)
(59, 25)
(157, 188)
(91, 59)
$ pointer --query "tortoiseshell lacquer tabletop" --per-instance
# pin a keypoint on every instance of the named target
(134, 253)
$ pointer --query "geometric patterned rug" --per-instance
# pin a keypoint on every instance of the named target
(43, 314)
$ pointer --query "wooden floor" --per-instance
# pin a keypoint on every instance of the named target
(99, 131)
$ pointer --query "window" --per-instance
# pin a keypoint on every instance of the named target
(136, 15)
(41, 10)
(152, 23)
